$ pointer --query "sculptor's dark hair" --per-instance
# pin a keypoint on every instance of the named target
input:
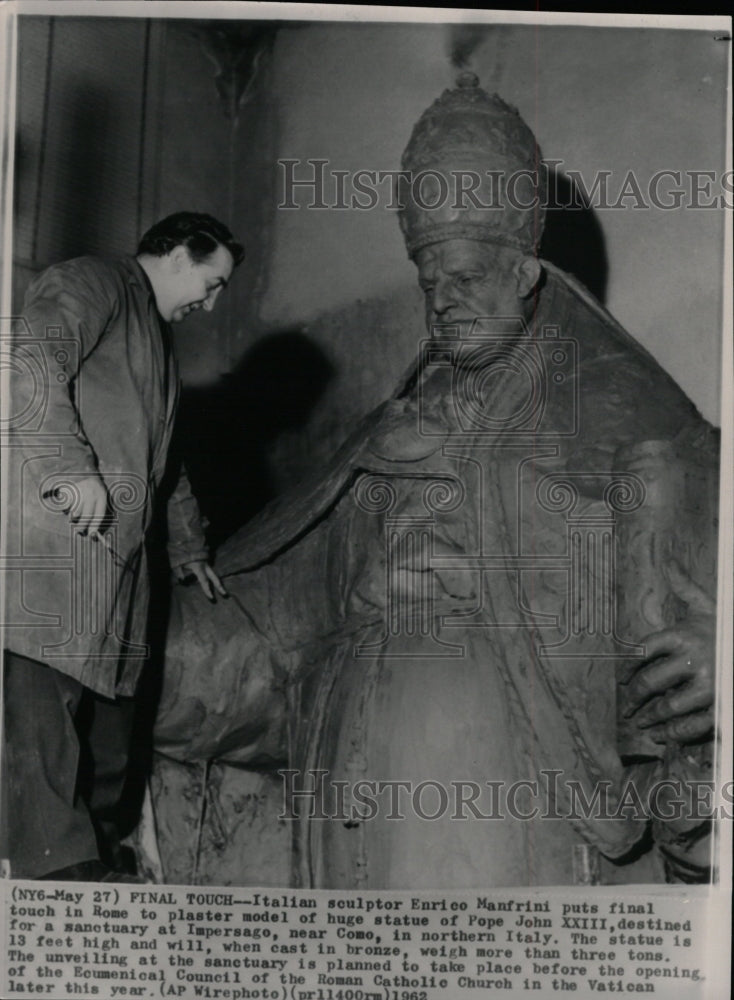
(201, 234)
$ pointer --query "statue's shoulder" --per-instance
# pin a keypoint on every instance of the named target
(579, 314)
(623, 394)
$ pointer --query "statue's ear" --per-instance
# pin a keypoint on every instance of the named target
(528, 271)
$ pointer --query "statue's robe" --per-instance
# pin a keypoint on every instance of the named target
(447, 603)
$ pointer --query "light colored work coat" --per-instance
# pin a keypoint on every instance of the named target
(94, 389)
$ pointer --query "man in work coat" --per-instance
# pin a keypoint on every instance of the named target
(94, 389)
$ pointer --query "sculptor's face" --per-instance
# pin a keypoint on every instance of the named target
(183, 285)
(465, 280)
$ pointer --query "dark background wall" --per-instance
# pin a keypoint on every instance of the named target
(123, 120)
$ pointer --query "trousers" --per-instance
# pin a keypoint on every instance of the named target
(65, 758)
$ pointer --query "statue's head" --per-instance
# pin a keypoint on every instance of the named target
(472, 207)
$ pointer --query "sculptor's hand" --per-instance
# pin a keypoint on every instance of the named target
(90, 507)
(205, 577)
(672, 692)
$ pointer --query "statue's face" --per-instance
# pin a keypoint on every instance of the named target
(464, 281)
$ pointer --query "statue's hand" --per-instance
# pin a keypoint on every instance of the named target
(672, 692)
(205, 577)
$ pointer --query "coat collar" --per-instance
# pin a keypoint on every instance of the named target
(136, 276)
(135, 273)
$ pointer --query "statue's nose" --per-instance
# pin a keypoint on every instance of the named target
(443, 299)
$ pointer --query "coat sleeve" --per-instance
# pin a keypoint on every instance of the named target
(186, 539)
(66, 312)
